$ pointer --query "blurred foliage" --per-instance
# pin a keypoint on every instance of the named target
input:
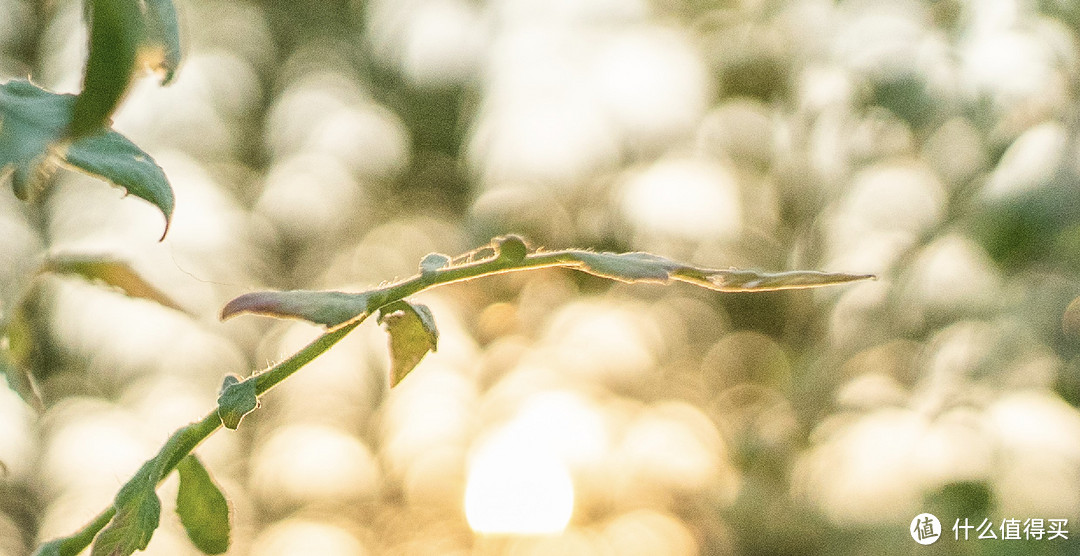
(331, 145)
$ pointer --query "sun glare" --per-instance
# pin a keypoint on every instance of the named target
(517, 488)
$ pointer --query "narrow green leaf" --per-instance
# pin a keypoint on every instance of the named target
(326, 308)
(754, 281)
(163, 37)
(116, 33)
(32, 122)
(113, 158)
(413, 334)
(138, 512)
(202, 507)
(110, 272)
(649, 268)
(626, 267)
(237, 398)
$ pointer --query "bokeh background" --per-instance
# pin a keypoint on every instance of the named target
(332, 144)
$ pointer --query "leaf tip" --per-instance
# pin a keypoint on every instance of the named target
(165, 232)
(249, 302)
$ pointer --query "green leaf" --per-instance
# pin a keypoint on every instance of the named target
(116, 33)
(202, 507)
(412, 335)
(110, 272)
(649, 268)
(237, 398)
(163, 36)
(138, 512)
(32, 122)
(326, 308)
(113, 158)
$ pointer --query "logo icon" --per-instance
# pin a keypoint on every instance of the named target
(925, 528)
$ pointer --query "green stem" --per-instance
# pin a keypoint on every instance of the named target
(468, 271)
(182, 442)
(267, 380)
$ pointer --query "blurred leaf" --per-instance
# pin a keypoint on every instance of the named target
(646, 267)
(117, 274)
(908, 96)
(138, 512)
(111, 157)
(961, 499)
(1029, 226)
(326, 308)
(412, 335)
(237, 398)
(32, 121)
(163, 36)
(116, 33)
(20, 380)
(202, 507)
(16, 340)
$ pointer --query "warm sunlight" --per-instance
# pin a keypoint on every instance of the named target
(515, 487)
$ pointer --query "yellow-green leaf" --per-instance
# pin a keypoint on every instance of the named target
(111, 272)
(202, 507)
(20, 380)
(413, 334)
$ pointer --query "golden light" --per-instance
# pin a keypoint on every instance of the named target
(515, 487)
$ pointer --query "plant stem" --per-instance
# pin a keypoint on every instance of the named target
(271, 377)
(182, 442)
(468, 271)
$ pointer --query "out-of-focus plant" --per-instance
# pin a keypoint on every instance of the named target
(41, 131)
